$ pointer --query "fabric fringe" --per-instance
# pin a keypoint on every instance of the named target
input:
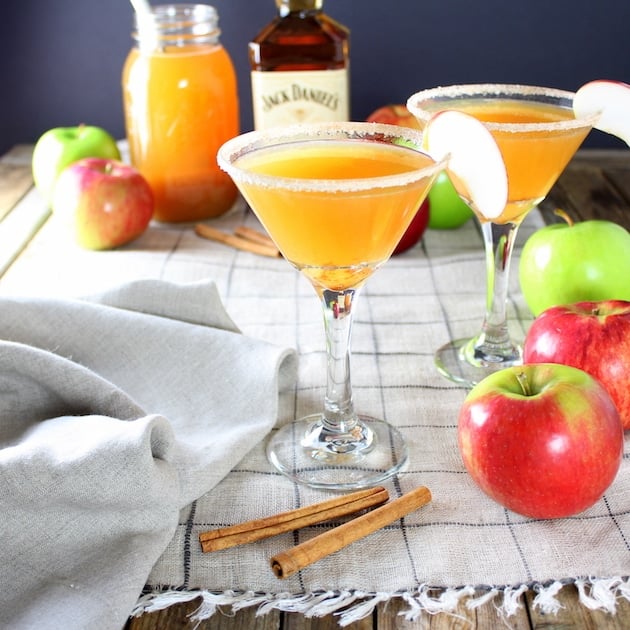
(350, 606)
(602, 594)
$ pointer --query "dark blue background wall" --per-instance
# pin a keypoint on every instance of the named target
(63, 58)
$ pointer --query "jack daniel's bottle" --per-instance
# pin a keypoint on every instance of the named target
(299, 67)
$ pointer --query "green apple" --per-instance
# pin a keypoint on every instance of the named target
(448, 209)
(59, 147)
(565, 263)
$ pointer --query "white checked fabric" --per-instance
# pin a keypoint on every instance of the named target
(416, 302)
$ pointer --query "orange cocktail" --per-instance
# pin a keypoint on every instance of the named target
(180, 107)
(537, 133)
(336, 234)
(336, 198)
(534, 156)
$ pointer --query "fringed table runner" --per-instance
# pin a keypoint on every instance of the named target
(462, 543)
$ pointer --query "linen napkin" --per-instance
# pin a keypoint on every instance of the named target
(116, 411)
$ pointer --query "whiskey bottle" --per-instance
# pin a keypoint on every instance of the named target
(299, 67)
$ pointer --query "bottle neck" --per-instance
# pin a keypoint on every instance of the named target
(177, 25)
(298, 6)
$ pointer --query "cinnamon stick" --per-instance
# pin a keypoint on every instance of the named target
(288, 562)
(238, 242)
(253, 235)
(251, 531)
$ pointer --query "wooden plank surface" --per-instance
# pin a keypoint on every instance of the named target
(594, 185)
(16, 181)
(17, 228)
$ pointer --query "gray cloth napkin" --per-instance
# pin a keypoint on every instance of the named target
(116, 412)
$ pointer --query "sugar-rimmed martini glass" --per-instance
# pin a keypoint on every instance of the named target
(336, 199)
(538, 133)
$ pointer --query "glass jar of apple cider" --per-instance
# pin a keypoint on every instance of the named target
(181, 104)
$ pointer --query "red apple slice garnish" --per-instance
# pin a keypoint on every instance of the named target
(609, 99)
(475, 163)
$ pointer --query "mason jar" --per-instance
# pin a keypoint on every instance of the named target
(181, 104)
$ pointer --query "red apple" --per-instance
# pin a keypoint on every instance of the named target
(394, 114)
(544, 440)
(398, 114)
(107, 202)
(592, 336)
(415, 230)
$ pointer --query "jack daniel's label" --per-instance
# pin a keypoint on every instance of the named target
(285, 98)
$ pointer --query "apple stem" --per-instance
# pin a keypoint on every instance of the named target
(523, 381)
(559, 212)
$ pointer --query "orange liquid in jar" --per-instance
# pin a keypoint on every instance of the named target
(180, 106)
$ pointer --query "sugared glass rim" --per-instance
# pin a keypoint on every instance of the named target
(245, 143)
(533, 93)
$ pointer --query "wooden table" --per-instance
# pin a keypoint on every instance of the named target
(595, 185)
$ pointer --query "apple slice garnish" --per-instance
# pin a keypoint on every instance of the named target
(475, 163)
(609, 99)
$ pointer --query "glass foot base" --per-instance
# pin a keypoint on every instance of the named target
(457, 362)
(307, 453)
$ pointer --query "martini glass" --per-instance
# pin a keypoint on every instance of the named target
(336, 198)
(538, 134)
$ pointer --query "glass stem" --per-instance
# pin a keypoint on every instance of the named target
(339, 414)
(493, 344)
